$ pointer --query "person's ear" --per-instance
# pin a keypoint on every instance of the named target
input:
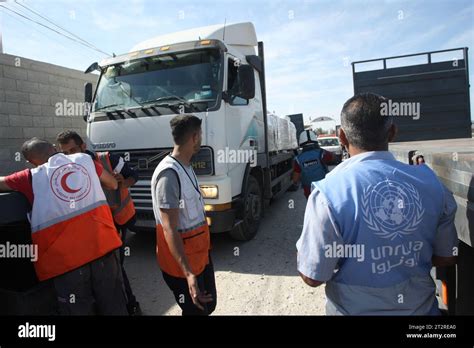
(83, 147)
(392, 132)
(343, 138)
(34, 162)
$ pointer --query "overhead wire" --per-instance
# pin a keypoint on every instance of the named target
(58, 26)
(24, 22)
(52, 29)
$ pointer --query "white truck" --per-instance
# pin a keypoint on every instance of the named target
(218, 74)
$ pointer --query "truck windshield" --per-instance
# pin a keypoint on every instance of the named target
(190, 78)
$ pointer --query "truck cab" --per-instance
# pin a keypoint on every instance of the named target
(214, 73)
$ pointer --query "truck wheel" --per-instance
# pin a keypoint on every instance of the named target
(252, 212)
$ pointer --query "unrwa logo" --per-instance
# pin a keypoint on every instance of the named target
(392, 209)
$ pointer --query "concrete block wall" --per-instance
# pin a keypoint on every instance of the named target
(29, 93)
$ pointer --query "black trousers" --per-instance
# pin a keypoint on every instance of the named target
(131, 299)
(95, 288)
(180, 289)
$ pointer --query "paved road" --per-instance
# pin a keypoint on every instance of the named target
(255, 277)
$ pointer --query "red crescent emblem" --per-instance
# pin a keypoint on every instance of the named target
(64, 184)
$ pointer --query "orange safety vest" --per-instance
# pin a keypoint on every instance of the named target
(196, 247)
(192, 224)
(71, 222)
(119, 200)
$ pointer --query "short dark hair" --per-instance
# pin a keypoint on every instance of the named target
(36, 148)
(68, 135)
(183, 126)
(364, 125)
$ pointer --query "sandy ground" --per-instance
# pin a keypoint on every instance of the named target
(253, 278)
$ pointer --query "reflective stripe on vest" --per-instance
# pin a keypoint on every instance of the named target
(192, 224)
(71, 222)
(119, 200)
(312, 168)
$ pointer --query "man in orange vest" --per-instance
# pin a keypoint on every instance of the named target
(73, 229)
(120, 201)
(182, 232)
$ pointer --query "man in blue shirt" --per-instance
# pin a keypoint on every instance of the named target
(311, 164)
(374, 227)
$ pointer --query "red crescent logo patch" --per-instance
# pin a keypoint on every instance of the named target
(70, 182)
(64, 183)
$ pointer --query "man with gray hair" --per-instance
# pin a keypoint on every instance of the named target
(374, 227)
(72, 226)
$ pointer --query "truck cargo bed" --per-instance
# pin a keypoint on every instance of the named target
(453, 162)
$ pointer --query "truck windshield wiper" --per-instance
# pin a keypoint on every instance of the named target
(170, 97)
(107, 106)
(166, 97)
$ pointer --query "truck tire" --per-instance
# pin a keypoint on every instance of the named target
(251, 212)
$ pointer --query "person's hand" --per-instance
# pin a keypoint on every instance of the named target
(199, 299)
(119, 177)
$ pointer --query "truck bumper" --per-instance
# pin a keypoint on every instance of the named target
(221, 217)
(145, 221)
(220, 221)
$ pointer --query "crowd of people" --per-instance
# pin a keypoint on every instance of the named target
(401, 216)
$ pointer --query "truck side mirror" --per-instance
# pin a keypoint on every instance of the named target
(93, 67)
(245, 82)
(87, 98)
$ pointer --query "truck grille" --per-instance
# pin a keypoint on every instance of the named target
(145, 163)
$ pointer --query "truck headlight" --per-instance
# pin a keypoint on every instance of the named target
(210, 191)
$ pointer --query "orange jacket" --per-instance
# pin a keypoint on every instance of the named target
(119, 200)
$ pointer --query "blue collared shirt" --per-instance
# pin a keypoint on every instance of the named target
(357, 284)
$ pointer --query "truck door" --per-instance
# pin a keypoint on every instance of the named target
(242, 124)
